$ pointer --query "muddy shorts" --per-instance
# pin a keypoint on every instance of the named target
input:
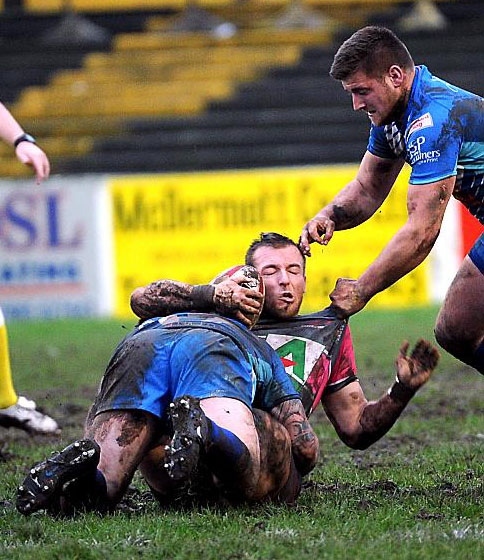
(476, 253)
(152, 367)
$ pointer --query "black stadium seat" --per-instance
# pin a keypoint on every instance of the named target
(284, 111)
(294, 114)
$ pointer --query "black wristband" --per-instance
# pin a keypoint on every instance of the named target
(202, 296)
(24, 138)
(400, 393)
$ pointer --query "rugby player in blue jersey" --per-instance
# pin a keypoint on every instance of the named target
(316, 349)
(213, 371)
(438, 129)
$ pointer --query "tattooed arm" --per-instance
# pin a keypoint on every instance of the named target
(304, 442)
(360, 423)
(164, 297)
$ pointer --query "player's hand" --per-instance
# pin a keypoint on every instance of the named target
(244, 304)
(346, 298)
(415, 370)
(320, 230)
(30, 154)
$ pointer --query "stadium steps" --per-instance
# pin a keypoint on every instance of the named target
(251, 14)
(233, 63)
(274, 113)
(245, 37)
(148, 75)
(294, 114)
(90, 97)
(128, 99)
(34, 61)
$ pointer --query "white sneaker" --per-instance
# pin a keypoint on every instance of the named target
(24, 414)
(26, 403)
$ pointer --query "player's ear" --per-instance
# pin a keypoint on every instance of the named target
(396, 74)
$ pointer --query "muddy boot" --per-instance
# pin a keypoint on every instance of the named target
(190, 432)
(43, 485)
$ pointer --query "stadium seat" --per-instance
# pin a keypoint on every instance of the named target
(163, 101)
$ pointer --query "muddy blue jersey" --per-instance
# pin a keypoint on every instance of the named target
(197, 354)
(441, 135)
(272, 385)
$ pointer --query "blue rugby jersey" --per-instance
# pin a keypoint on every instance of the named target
(273, 385)
(441, 135)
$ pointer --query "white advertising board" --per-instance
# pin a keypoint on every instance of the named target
(55, 248)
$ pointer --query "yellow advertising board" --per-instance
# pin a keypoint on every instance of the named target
(190, 226)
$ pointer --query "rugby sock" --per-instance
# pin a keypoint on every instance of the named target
(8, 396)
(227, 455)
(88, 493)
(477, 360)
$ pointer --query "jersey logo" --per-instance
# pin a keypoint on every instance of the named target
(298, 355)
(307, 345)
(418, 154)
(424, 121)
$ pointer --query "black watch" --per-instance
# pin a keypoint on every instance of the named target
(24, 138)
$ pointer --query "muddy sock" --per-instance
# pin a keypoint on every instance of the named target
(227, 456)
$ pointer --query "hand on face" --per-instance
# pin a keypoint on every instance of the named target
(240, 295)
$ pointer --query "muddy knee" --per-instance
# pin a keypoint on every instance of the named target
(451, 338)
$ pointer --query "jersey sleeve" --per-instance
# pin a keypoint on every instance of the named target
(378, 143)
(433, 148)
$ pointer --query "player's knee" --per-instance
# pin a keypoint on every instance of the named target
(449, 337)
(441, 336)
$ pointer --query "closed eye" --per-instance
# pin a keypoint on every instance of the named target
(296, 269)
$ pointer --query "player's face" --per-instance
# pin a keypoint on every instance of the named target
(380, 98)
(282, 270)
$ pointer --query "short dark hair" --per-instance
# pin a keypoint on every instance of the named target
(372, 50)
(270, 239)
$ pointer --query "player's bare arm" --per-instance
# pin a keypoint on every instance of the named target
(357, 202)
(360, 423)
(304, 442)
(405, 251)
(10, 129)
(164, 297)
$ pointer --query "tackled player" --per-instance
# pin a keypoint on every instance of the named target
(213, 370)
